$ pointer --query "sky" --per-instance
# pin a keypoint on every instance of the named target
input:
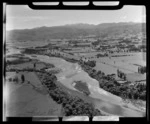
(23, 17)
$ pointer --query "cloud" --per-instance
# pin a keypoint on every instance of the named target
(140, 19)
(123, 17)
(143, 16)
(26, 18)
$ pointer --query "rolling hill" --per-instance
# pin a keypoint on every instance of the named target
(75, 30)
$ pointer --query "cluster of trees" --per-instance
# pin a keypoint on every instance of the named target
(119, 55)
(26, 69)
(21, 61)
(121, 74)
(125, 91)
(88, 63)
(72, 105)
(82, 86)
(134, 49)
(13, 79)
(16, 79)
(108, 83)
(96, 43)
(101, 55)
(19, 55)
(17, 61)
(32, 51)
(92, 72)
(71, 53)
(70, 60)
(142, 69)
(142, 47)
(62, 56)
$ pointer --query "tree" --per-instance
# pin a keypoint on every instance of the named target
(68, 110)
(10, 79)
(111, 85)
(143, 95)
(129, 95)
(22, 78)
(34, 65)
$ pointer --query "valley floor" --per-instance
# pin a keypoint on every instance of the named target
(32, 99)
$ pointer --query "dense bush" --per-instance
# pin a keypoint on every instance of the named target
(32, 51)
(101, 55)
(10, 79)
(142, 69)
(72, 105)
(121, 74)
(13, 79)
(90, 63)
(82, 86)
(17, 61)
(137, 91)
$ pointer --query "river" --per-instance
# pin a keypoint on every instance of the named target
(106, 101)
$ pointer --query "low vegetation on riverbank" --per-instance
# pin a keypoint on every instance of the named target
(26, 64)
(108, 83)
(136, 91)
(18, 61)
(71, 105)
(82, 86)
(32, 51)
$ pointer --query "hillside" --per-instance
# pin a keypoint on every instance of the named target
(75, 30)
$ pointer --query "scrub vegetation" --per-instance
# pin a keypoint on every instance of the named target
(72, 105)
(108, 83)
(82, 86)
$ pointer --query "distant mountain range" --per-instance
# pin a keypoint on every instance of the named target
(75, 30)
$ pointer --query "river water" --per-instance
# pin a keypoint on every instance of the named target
(106, 101)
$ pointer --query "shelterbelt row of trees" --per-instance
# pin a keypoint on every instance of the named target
(136, 91)
(108, 83)
(121, 74)
(72, 105)
(142, 69)
(90, 63)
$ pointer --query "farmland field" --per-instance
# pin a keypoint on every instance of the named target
(96, 92)
(104, 101)
(78, 64)
(26, 100)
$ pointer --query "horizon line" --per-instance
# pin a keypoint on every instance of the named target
(71, 24)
